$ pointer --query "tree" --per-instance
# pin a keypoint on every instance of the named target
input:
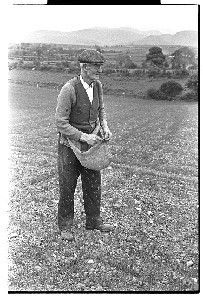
(153, 73)
(193, 86)
(182, 58)
(167, 91)
(125, 61)
(144, 65)
(98, 48)
(24, 54)
(171, 88)
(39, 53)
(156, 56)
(156, 94)
(193, 83)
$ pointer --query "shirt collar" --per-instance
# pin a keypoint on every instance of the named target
(85, 84)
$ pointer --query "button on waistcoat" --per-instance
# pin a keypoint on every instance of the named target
(84, 114)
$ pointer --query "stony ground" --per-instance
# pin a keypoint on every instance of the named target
(149, 193)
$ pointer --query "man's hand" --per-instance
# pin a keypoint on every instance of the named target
(91, 139)
(107, 133)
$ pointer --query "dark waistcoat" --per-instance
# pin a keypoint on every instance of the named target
(83, 114)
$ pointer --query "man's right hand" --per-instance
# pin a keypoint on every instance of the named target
(91, 139)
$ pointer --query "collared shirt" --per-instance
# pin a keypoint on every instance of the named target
(88, 88)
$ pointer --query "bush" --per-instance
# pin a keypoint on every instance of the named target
(28, 66)
(153, 73)
(184, 73)
(130, 65)
(193, 82)
(156, 94)
(171, 88)
(125, 72)
(44, 68)
(189, 96)
(74, 69)
(13, 65)
(169, 75)
(137, 73)
(107, 71)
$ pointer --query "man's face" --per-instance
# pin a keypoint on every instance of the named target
(93, 71)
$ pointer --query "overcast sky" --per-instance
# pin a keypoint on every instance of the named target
(165, 18)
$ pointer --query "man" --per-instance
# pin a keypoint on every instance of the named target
(79, 113)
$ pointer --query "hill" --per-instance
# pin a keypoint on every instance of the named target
(100, 36)
(184, 38)
(112, 36)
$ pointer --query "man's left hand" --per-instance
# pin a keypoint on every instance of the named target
(107, 133)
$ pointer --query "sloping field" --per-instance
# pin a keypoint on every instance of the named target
(150, 193)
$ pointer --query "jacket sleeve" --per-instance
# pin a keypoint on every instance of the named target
(65, 100)
(102, 113)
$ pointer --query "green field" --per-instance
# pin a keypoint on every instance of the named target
(150, 193)
(137, 52)
(113, 84)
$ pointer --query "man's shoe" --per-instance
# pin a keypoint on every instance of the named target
(67, 235)
(97, 223)
(66, 231)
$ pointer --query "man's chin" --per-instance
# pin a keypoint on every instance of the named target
(96, 76)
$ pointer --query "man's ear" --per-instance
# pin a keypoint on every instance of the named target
(85, 67)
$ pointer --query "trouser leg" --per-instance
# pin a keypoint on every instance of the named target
(91, 186)
(68, 169)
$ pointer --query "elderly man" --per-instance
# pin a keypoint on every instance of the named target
(79, 112)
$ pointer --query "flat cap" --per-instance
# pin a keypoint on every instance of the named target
(91, 56)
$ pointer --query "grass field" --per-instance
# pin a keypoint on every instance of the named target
(150, 193)
(112, 84)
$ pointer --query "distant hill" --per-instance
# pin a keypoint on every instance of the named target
(100, 36)
(143, 33)
(184, 38)
(112, 36)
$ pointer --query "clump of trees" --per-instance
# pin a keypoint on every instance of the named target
(125, 61)
(156, 56)
(182, 58)
(154, 73)
(192, 94)
(171, 90)
(99, 49)
(193, 83)
(167, 91)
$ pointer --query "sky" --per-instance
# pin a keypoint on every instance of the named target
(165, 18)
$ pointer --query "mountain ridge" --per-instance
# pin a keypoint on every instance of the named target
(113, 36)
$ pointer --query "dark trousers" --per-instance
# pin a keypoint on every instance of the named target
(69, 169)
